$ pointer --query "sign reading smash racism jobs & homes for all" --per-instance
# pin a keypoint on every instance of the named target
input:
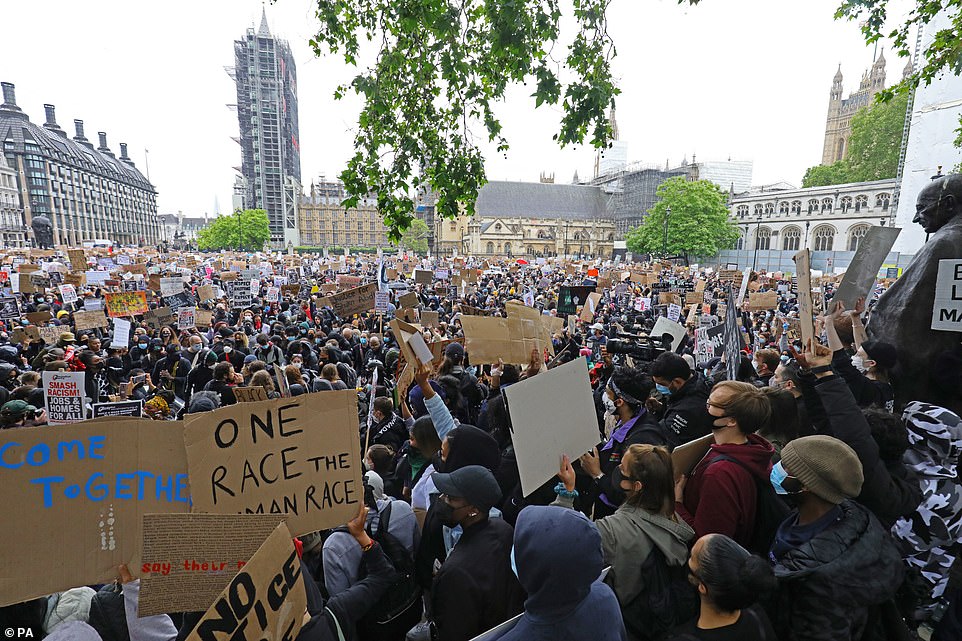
(64, 396)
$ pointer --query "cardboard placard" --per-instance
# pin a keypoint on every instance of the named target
(64, 397)
(89, 320)
(762, 301)
(686, 456)
(345, 281)
(159, 317)
(78, 493)
(78, 260)
(733, 336)
(805, 308)
(695, 298)
(551, 414)
(126, 303)
(947, 307)
(408, 300)
(488, 338)
(429, 318)
(188, 559)
(863, 270)
(353, 301)
(203, 317)
(265, 600)
(205, 292)
(249, 394)
(298, 456)
(51, 333)
(590, 307)
(423, 276)
(39, 317)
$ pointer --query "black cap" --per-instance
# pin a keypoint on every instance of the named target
(473, 483)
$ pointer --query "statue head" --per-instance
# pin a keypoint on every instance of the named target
(41, 222)
(939, 202)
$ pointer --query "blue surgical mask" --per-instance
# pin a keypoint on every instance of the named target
(777, 476)
(514, 565)
(363, 341)
(663, 389)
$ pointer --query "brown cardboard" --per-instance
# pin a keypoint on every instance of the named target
(78, 260)
(59, 542)
(402, 333)
(669, 298)
(250, 394)
(89, 320)
(486, 339)
(408, 300)
(203, 317)
(695, 298)
(159, 317)
(590, 307)
(39, 317)
(423, 276)
(265, 600)
(188, 559)
(762, 301)
(353, 301)
(298, 455)
(429, 318)
(685, 457)
(205, 292)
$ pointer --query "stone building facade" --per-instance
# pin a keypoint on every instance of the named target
(324, 222)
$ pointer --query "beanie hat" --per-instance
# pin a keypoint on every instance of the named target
(826, 466)
(884, 354)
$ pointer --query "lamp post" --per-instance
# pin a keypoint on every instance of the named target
(808, 224)
(758, 226)
(664, 246)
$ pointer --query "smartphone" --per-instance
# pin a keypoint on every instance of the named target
(138, 379)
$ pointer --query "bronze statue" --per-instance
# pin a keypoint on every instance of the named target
(928, 367)
(42, 231)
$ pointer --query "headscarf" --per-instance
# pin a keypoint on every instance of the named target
(926, 538)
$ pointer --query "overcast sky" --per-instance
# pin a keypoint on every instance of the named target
(745, 79)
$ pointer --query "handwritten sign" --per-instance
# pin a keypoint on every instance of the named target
(762, 301)
(159, 317)
(78, 260)
(126, 303)
(297, 456)
(78, 493)
(265, 600)
(353, 301)
(188, 559)
(250, 394)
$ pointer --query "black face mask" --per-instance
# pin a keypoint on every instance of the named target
(618, 495)
(444, 513)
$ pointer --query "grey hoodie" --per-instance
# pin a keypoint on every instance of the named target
(628, 537)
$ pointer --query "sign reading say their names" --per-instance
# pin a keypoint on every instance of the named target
(188, 559)
(947, 310)
(78, 492)
(297, 456)
(265, 600)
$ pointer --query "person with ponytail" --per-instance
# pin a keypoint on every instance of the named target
(730, 580)
(642, 538)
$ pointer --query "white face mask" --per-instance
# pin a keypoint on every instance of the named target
(228, 349)
(609, 404)
(859, 363)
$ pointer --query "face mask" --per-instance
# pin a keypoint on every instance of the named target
(363, 341)
(859, 363)
(664, 389)
(609, 404)
(777, 477)
(298, 365)
(617, 478)
(756, 366)
(228, 349)
(445, 513)
(142, 345)
(514, 565)
(715, 419)
(195, 348)
(387, 340)
(775, 384)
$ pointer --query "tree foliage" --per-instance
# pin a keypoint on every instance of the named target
(246, 230)
(439, 68)
(698, 224)
(415, 237)
(873, 147)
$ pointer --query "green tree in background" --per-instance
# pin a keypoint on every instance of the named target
(246, 230)
(698, 224)
(873, 147)
(415, 237)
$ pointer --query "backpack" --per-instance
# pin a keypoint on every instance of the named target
(770, 511)
(667, 600)
(400, 608)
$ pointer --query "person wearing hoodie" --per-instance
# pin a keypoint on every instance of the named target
(720, 494)
(685, 392)
(475, 588)
(837, 567)
(566, 601)
(643, 524)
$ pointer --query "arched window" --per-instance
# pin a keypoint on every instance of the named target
(855, 236)
(796, 206)
(845, 204)
(742, 211)
(769, 208)
(883, 200)
(783, 207)
(530, 250)
(791, 238)
(611, 237)
(507, 248)
(826, 204)
(861, 202)
(758, 209)
(740, 243)
(490, 247)
(812, 205)
(764, 238)
(542, 233)
(823, 238)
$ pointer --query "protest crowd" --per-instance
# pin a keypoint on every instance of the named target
(749, 467)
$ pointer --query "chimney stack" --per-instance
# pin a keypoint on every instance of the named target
(51, 123)
(102, 135)
(123, 155)
(79, 128)
(9, 96)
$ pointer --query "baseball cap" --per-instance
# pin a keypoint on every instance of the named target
(473, 483)
(598, 326)
(16, 408)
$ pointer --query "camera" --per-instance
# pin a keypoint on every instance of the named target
(639, 347)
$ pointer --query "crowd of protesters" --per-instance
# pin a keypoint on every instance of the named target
(820, 509)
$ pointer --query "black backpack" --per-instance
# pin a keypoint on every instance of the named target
(770, 511)
(667, 600)
(400, 608)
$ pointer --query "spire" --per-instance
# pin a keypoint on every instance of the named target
(614, 123)
(264, 30)
(574, 179)
(838, 74)
(909, 69)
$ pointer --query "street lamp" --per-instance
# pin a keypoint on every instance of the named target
(808, 224)
(664, 247)
(758, 226)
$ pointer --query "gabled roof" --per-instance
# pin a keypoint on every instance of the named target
(541, 200)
